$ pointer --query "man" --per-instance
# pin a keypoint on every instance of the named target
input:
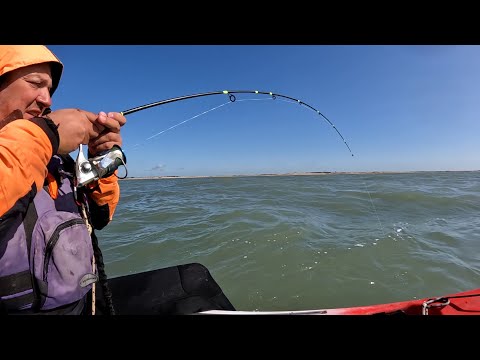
(50, 261)
(47, 263)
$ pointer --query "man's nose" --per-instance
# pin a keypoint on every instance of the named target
(44, 98)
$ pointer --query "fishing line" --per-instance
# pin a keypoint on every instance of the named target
(196, 116)
(202, 113)
(183, 122)
(232, 98)
(375, 209)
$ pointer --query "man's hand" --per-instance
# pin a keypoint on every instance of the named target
(75, 127)
(110, 133)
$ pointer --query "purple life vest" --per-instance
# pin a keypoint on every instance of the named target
(46, 256)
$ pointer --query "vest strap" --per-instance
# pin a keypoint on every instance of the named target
(15, 283)
(19, 301)
(30, 220)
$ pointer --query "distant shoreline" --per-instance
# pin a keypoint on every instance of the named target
(313, 173)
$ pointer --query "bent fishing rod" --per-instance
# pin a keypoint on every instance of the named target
(105, 164)
(232, 98)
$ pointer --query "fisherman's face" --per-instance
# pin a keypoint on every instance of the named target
(26, 89)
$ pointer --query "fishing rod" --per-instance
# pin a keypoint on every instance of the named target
(105, 164)
(232, 98)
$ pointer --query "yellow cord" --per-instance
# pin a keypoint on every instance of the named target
(93, 287)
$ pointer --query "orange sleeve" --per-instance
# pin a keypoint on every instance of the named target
(25, 149)
(106, 191)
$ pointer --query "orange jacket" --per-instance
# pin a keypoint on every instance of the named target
(26, 146)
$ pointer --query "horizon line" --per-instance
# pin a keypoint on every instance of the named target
(306, 173)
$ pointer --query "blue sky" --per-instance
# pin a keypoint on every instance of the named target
(398, 107)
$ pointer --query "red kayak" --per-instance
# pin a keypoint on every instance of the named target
(462, 303)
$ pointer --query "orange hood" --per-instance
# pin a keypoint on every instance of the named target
(16, 56)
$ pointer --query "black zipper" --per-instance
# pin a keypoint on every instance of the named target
(53, 241)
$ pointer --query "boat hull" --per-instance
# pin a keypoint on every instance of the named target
(462, 303)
